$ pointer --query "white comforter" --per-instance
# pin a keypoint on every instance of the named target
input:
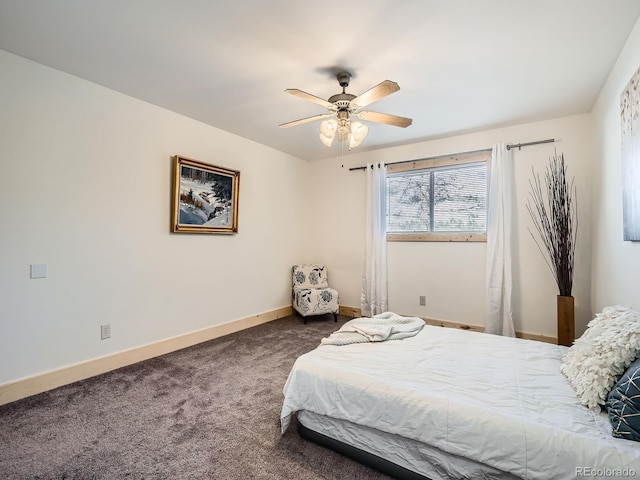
(497, 400)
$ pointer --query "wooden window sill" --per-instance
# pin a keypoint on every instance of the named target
(436, 237)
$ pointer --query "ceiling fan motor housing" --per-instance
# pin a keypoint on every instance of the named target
(342, 101)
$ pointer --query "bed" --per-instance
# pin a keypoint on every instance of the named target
(448, 404)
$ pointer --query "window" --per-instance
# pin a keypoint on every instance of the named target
(444, 199)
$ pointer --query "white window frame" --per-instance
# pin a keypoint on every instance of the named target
(460, 159)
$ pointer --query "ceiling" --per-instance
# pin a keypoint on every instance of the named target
(462, 65)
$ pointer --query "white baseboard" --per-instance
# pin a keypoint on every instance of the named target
(10, 392)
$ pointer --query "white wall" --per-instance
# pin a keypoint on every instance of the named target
(452, 275)
(85, 188)
(616, 263)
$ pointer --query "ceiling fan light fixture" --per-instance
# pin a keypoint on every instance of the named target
(326, 140)
(328, 130)
(344, 126)
(329, 127)
(358, 133)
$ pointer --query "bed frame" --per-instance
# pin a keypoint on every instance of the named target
(366, 458)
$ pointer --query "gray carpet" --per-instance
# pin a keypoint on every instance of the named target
(209, 411)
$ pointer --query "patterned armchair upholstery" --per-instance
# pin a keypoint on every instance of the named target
(311, 292)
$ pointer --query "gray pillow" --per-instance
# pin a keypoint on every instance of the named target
(623, 404)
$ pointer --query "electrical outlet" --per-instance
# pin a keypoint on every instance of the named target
(105, 331)
(423, 301)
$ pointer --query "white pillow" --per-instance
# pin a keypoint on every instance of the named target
(602, 354)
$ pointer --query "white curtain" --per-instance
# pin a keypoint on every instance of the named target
(499, 315)
(373, 299)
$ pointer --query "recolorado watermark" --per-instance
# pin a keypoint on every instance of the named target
(588, 472)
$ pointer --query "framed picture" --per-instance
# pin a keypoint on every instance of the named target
(630, 123)
(205, 198)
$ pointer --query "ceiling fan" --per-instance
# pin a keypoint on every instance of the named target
(343, 105)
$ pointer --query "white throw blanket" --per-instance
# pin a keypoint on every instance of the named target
(379, 328)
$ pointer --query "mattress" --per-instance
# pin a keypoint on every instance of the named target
(497, 401)
(426, 461)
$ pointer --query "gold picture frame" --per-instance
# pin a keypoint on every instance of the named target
(205, 198)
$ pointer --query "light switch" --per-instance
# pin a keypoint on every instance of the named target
(39, 270)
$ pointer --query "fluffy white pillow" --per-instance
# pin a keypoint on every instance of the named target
(601, 355)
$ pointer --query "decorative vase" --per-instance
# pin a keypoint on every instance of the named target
(566, 321)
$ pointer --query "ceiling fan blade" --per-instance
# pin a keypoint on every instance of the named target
(308, 96)
(385, 118)
(305, 120)
(376, 93)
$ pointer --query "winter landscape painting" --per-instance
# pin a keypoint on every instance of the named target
(630, 123)
(205, 198)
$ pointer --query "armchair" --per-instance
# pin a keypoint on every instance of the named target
(311, 292)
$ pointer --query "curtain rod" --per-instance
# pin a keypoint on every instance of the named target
(537, 142)
(509, 147)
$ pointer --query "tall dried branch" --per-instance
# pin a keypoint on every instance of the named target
(553, 209)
